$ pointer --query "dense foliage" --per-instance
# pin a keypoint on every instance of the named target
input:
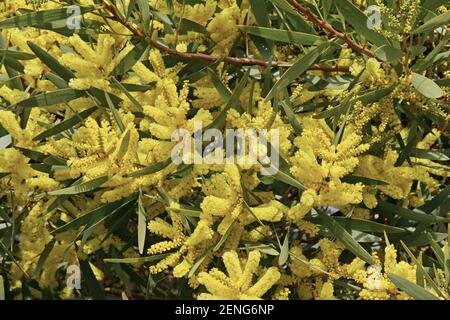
(357, 90)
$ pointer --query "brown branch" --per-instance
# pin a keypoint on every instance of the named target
(204, 57)
(309, 15)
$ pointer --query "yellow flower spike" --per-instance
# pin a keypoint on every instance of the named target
(238, 284)
(232, 264)
(182, 269)
(265, 282)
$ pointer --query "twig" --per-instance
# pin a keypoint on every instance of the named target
(204, 57)
(309, 15)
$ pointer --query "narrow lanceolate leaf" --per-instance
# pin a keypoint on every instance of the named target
(18, 55)
(422, 270)
(437, 200)
(81, 188)
(291, 117)
(224, 237)
(142, 224)
(125, 90)
(415, 215)
(438, 252)
(42, 258)
(145, 13)
(287, 36)
(296, 70)
(284, 251)
(151, 169)
(51, 62)
(2, 288)
(367, 225)
(426, 86)
(130, 59)
(222, 89)
(94, 216)
(359, 21)
(429, 154)
(123, 146)
(36, 18)
(92, 283)
(364, 180)
(233, 102)
(51, 98)
(412, 137)
(286, 177)
(66, 124)
(138, 260)
(434, 23)
(411, 288)
(342, 235)
(115, 113)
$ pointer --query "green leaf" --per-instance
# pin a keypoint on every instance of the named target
(232, 102)
(138, 260)
(434, 56)
(145, 13)
(124, 142)
(284, 251)
(36, 18)
(94, 216)
(422, 270)
(186, 25)
(125, 90)
(224, 237)
(406, 150)
(358, 20)
(436, 201)
(51, 62)
(115, 113)
(65, 125)
(364, 180)
(42, 258)
(188, 211)
(426, 87)
(283, 4)
(130, 59)
(375, 95)
(296, 70)
(286, 177)
(367, 225)
(2, 288)
(287, 36)
(51, 98)
(388, 53)
(142, 224)
(434, 23)
(415, 215)
(411, 288)
(437, 250)
(151, 169)
(18, 55)
(92, 283)
(196, 265)
(222, 89)
(291, 117)
(429, 154)
(342, 235)
(81, 188)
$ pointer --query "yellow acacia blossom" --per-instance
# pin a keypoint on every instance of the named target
(238, 285)
(374, 278)
(93, 66)
(320, 164)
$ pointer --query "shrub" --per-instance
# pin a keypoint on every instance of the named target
(100, 197)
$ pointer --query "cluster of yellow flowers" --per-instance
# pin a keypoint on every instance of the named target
(86, 127)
